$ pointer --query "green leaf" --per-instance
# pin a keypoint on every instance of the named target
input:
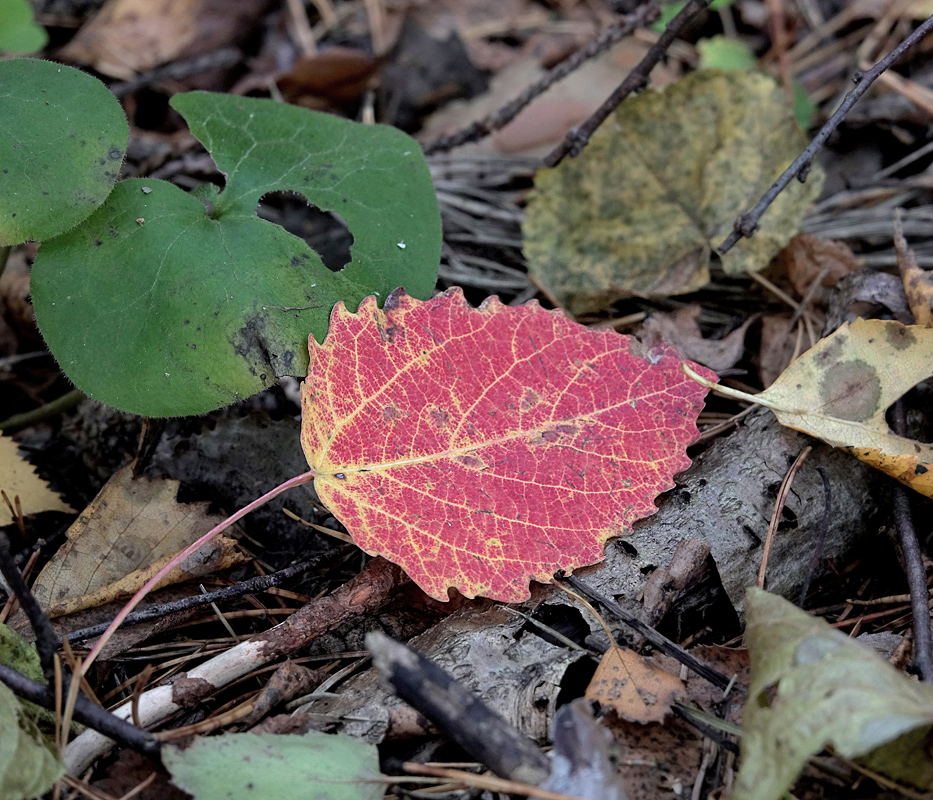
(804, 107)
(28, 767)
(314, 766)
(660, 185)
(62, 140)
(721, 52)
(159, 306)
(18, 32)
(812, 687)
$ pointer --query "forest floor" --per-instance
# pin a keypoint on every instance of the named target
(431, 69)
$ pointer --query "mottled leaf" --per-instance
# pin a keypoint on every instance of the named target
(483, 448)
(637, 689)
(814, 687)
(28, 766)
(62, 140)
(313, 766)
(840, 389)
(163, 303)
(660, 185)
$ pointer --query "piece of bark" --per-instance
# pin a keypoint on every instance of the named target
(725, 499)
(686, 569)
(457, 712)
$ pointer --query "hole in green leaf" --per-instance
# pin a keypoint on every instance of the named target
(325, 233)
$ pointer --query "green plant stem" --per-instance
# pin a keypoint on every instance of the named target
(57, 406)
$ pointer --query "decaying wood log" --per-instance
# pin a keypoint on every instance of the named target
(725, 499)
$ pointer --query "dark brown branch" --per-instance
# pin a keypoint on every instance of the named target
(912, 560)
(46, 639)
(178, 70)
(642, 16)
(747, 224)
(659, 641)
(85, 712)
(636, 80)
(457, 712)
(259, 584)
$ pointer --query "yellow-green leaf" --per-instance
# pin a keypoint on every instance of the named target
(812, 687)
(660, 185)
(840, 389)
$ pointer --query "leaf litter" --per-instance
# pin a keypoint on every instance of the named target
(673, 747)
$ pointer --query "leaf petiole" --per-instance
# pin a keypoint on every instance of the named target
(153, 582)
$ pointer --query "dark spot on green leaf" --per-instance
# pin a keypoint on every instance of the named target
(850, 390)
(98, 243)
(115, 154)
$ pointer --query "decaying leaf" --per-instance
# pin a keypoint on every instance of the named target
(637, 689)
(18, 479)
(483, 448)
(130, 529)
(808, 258)
(659, 185)
(918, 283)
(313, 765)
(812, 686)
(840, 389)
(28, 766)
(681, 328)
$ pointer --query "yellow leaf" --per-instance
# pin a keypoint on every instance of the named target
(840, 389)
(637, 689)
(127, 532)
(18, 478)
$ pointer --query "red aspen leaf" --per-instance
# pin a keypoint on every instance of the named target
(483, 448)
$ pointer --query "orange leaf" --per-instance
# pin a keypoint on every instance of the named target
(480, 448)
(637, 689)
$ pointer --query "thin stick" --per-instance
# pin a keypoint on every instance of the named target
(779, 502)
(85, 712)
(665, 645)
(913, 566)
(137, 598)
(488, 782)
(46, 639)
(747, 223)
(251, 586)
(637, 79)
(644, 15)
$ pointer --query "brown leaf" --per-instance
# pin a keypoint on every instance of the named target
(338, 75)
(807, 258)
(18, 479)
(637, 689)
(777, 347)
(131, 36)
(918, 283)
(130, 527)
(681, 329)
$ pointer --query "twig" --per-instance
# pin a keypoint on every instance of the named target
(644, 15)
(637, 79)
(46, 640)
(665, 645)
(913, 566)
(258, 584)
(747, 223)
(456, 711)
(85, 712)
(365, 594)
(779, 502)
(50, 409)
(178, 70)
